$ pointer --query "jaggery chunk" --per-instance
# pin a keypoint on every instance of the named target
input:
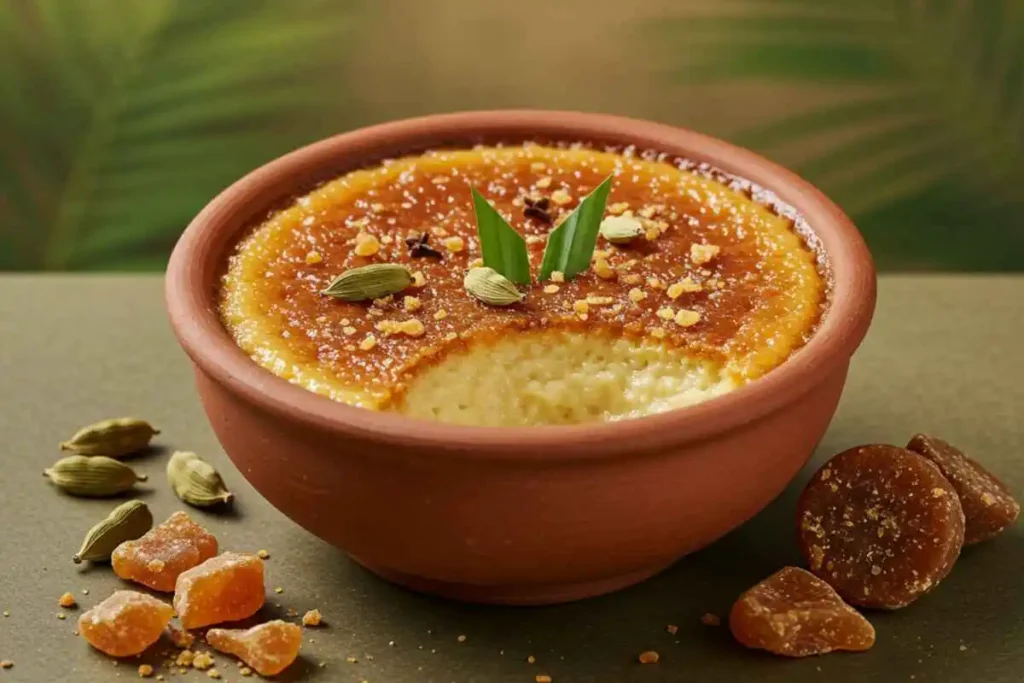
(268, 648)
(228, 587)
(988, 505)
(156, 559)
(881, 525)
(125, 624)
(796, 614)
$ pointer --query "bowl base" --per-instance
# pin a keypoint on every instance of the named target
(524, 595)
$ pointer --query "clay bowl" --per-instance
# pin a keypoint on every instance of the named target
(516, 515)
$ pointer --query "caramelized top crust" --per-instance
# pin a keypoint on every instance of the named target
(716, 275)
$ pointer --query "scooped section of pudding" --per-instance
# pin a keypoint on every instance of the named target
(717, 289)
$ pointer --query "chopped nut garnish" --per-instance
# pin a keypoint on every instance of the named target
(376, 207)
(666, 313)
(632, 279)
(440, 314)
(534, 239)
(711, 619)
(454, 244)
(366, 245)
(145, 670)
(418, 279)
(581, 307)
(476, 263)
(647, 211)
(561, 197)
(687, 318)
(637, 295)
(369, 341)
(703, 253)
(600, 300)
(603, 270)
(348, 331)
(551, 289)
(538, 166)
(544, 182)
(412, 327)
(617, 208)
(651, 233)
(67, 600)
(655, 283)
(312, 618)
(184, 658)
(672, 629)
(684, 286)
(658, 332)
(649, 657)
(557, 276)
(314, 257)
(262, 554)
(412, 303)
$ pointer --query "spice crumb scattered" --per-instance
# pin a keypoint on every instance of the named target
(963, 648)
(322, 664)
(159, 677)
(262, 554)
(6, 664)
(672, 628)
(67, 600)
(542, 678)
(213, 673)
(245, 671)
(312, 618)
(202, 660)
(649, 657)
(85, 591)
(351, 660)
(6, 613)
(461, 639)
(531, 659)
(61, 616)
(184, 658)
(711, 619)
(145, 670)
(391, 643)
(279, 590)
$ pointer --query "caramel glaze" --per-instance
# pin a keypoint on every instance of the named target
(759, 298)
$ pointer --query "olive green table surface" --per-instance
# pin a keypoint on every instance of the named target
(944, 356)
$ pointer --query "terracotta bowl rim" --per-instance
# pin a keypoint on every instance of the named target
(194, 264)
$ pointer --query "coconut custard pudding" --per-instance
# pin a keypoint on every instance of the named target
(525, 285)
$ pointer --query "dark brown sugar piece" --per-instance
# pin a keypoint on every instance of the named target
(796, 614)
(881, 525)
(988, 505)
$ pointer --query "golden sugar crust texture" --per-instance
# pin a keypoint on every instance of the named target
(717, 290)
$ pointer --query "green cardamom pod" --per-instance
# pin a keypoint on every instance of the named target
(95, 476)
(126, 522)
(195, 481)
(621, 229)
(369, 282)
(491, 287)
(112, 438)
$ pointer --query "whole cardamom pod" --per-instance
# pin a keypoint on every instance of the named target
(369, 282)
(621, 229)
(491, 287)
(112, 438)
(95, 476)
(126, 522)
(195, 481)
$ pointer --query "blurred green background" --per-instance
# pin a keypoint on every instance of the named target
(120, 119)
